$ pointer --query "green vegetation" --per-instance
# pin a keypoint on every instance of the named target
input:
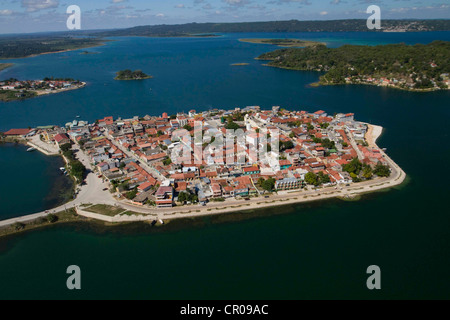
(10, 95)
(326, 143)
(382, 170)
(131, 75)
(267, 184)
(69, 215)
(283, 42)
(105, 210)
(286, 145)
(197, 29)
(4, 66)
(76, 168)
(29, 45)
(413, 67)
(184, 197)
(231, 125)
(130, 195)
(317, 179)
(359, 171)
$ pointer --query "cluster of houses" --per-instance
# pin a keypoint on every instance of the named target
(394, 82)
(38, 85)
(135, 154)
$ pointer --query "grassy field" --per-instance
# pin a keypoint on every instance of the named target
(61, 217)
(105, 210)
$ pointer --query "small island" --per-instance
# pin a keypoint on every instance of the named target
(240, 64)
(283, 42)
(131, 75)
(13, 89)
(415, 68)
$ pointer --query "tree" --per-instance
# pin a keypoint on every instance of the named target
(367, 172)
(65, 147)
(231, 125)
(269, 184)
(323, 178)
(77, 170)
(131, 195)
(353, 167)
(51, 218)
(382, 170)
(311, 179)
(167, 162)
(188, 127)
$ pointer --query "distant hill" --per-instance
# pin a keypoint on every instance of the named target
(190, 29)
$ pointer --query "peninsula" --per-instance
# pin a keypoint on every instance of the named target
(131, 75)
(4, 66)
(134, 175)
(415, 68)
(12, 47)
(13, 89)
(283, 42)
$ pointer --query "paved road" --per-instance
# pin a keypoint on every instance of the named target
(92, 192)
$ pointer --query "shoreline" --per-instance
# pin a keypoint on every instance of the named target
(320, 84)
(101, 44)
(397, 178)
(40, 93)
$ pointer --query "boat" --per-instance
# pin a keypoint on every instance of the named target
(31, 149)
(161, 221)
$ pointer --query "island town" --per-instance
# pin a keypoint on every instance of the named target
(13, 89)
(131, 162)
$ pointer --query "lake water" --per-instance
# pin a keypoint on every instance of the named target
(319, 250)
(31, 181)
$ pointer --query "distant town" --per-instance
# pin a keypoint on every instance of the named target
(133, 156)
(13, 89)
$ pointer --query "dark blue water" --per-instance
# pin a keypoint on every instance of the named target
(31, 181)
(318, 250)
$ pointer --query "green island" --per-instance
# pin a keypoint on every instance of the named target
(408, 67)
(131, 75)
(240, 64)
(31, 45)
(283, 42)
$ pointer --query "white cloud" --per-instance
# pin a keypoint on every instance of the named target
(36, 5)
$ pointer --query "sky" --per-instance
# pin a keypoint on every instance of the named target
(27, 16)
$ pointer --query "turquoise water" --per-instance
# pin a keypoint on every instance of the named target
(318, 250)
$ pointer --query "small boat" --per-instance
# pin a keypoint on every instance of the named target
(161, 221)
(78, 116)
(31, 149)
(153, 223)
